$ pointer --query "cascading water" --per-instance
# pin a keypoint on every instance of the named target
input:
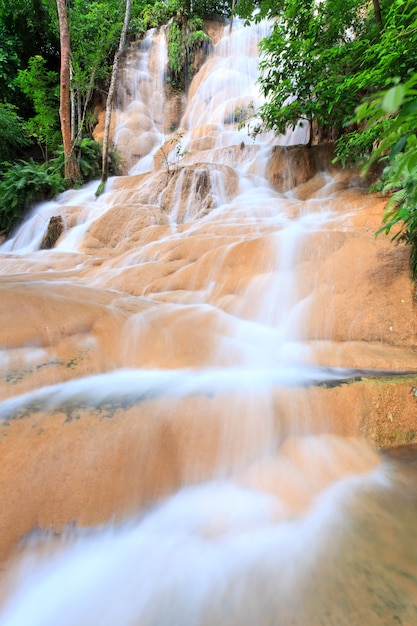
(179, 445)
(139, 120)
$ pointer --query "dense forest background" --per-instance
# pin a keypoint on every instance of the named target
(346, 68)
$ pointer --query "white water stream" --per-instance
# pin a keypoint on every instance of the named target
(285, 523)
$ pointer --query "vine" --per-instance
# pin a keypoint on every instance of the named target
(185, 37)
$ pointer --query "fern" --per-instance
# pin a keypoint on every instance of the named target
(24, 184)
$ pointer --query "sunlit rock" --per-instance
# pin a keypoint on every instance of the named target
(292, 166)
(122, 227)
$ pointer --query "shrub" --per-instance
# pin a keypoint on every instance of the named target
(23, 184)
(13, 134)
(89, 156)
(397, 149)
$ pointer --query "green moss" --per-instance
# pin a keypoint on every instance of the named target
(387, 438)
(16, 375)
(184, 38)
(388, 420)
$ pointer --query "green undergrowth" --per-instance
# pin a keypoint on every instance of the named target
(25, 183)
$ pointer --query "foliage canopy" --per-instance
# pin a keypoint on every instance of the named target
(322, 58)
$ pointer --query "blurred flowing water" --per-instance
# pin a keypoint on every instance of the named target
(246, 506)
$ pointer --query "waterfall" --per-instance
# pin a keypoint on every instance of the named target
(139, 122)
(186, 379)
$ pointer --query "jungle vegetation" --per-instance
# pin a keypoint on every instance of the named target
(47, 107)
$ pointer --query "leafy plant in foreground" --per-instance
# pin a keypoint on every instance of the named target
(397, 107)
(22, 185)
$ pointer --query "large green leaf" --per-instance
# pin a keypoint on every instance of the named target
(393, 99)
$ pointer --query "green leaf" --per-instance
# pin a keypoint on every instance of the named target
(393, 99)
(100, 189)
(408, 108)
(398, 147)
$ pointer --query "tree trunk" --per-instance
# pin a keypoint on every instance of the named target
(231, 16)
(310, 132)
(71, 169)
(377, 12)
(83, 107)
(105, 164)
(72, 100)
